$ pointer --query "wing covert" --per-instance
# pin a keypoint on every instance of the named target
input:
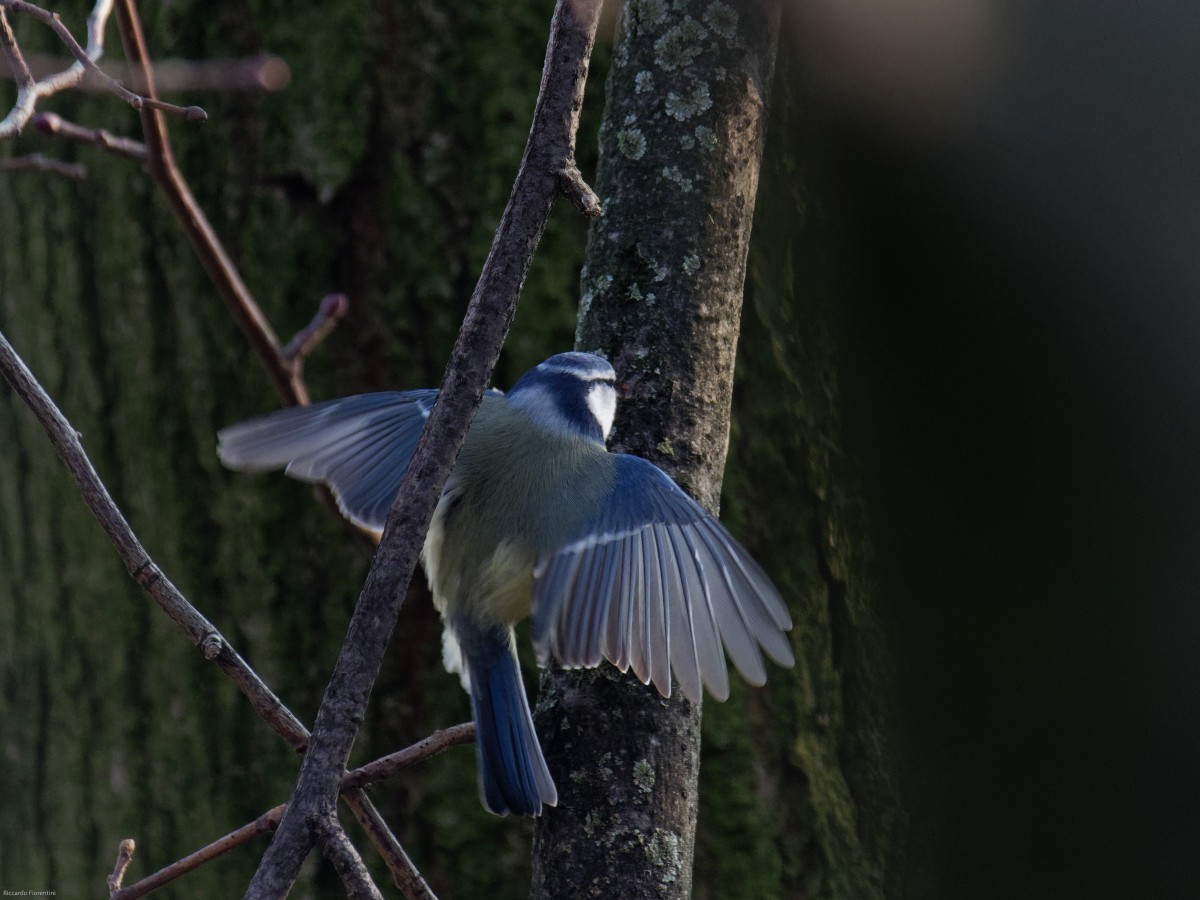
(358, 446)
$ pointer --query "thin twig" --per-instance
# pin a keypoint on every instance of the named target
(12, 55)
(407, 878)
(53, 124)
(332, 308)
(404, 872)
(578, 191)
(140, 566)
(137, 101)
(387, 766)
(548, 150)
(124, 858)
(264, 824)
(28, 95)
(337, 848)
(204, 240)
(40, 163)
(146, 572)
(85, 63)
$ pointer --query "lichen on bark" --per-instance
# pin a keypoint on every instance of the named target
(662, 284)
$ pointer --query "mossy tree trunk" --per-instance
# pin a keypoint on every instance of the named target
(662, 287)
(797, 795)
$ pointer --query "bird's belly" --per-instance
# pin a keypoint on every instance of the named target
(485, 586)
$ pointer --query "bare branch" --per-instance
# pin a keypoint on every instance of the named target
(12, 55)
(549, 149)
(140, 566)
(40, 163)
(200, 233)
(146, 573)
(55, 125)
(387, 766)
(405, 874)
(124, 858)
(264, 824)
(336, 847)
(332, 308)
(28, 94)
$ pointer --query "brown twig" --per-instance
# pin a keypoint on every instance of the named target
(39, 163)
(548, 151)
(387, 766)
(124, 858)
(332, 308)
(404, 872)
(378, 770)
(12, 55)
(53, 124)
(337, 848)
(85, 63)
(264, 824)
(146, 573)
(204, 240)
(140, 566)
(28, 95)
(156, 155)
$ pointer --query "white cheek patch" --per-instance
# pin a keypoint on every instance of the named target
(602, 402)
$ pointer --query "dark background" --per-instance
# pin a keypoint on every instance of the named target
(1022, 285)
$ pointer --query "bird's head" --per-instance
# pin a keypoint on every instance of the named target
(571, 392)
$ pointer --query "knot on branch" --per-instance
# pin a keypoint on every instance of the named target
(147, 574)
(212, 646)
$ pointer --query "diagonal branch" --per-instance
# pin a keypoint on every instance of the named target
(347, 863)
(548, 152)
(12, 55)
(53, 124)
(378, 770)
(138, 564)
(284, 373)
(199, 630)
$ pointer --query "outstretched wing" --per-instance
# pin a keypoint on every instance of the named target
(654, 583)
(358, 446)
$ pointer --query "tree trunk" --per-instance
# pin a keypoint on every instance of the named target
(662, 286)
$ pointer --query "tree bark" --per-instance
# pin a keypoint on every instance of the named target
(662, 285)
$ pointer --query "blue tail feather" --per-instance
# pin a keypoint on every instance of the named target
(512, 771)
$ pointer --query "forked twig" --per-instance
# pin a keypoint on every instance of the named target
(380, 769)
(30, 92)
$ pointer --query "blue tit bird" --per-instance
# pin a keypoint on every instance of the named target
(612, 559)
